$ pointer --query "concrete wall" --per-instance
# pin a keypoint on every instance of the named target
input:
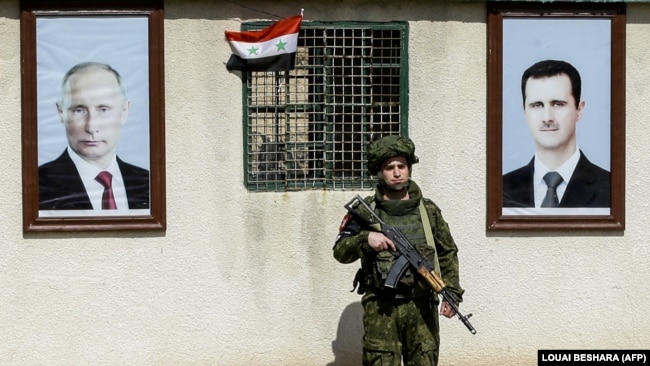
(243, 278)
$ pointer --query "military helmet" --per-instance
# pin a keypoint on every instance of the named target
(389, 147)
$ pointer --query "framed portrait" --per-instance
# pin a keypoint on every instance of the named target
(93, 147)
(556, 116)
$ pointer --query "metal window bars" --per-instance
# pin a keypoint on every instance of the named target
(309, 128)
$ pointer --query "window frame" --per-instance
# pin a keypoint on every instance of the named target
(327, 181)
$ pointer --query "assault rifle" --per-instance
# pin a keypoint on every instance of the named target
(407, 255)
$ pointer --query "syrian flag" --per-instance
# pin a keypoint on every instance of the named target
(270, 49)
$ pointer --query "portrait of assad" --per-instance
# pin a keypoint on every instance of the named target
(559, 174)
(556, 149)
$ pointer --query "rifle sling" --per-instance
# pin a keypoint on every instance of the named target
(428, 233)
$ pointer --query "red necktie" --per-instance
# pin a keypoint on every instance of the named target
(105, 179)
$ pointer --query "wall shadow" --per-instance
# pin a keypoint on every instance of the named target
(347, 346)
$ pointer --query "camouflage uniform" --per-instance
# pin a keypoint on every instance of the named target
(400, 322)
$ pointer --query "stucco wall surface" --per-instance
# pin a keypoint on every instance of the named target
(242, 278)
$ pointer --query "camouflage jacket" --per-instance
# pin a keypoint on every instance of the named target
(352, 241)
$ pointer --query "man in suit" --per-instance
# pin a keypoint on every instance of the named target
(93, 106)
(559, 174)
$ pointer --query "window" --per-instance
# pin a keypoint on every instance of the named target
(309, 128)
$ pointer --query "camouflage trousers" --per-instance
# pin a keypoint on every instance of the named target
(400, 328)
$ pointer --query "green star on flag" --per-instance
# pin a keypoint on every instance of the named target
(280, 45)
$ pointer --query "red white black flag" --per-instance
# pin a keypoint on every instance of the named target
(270, 49)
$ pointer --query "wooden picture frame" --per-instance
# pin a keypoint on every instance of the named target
(64, 40)
(590, 36)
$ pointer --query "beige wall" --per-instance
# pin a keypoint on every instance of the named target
(245, 278)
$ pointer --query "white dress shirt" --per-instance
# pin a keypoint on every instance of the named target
(94, 189)
(565, 170)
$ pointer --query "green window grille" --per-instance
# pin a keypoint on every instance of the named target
(309, 128)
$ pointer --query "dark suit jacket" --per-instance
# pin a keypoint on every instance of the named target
(60, 186)
(589, 186)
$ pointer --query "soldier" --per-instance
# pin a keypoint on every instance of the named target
(401, 324)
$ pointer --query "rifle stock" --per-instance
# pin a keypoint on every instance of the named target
(406, 251)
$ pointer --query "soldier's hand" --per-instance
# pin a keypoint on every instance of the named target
(446, 310)
(379, 242)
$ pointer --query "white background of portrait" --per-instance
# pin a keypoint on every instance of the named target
(584, 43)
(123, 43)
